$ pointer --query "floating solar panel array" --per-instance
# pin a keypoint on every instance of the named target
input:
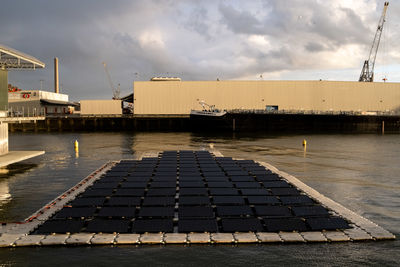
(191, 191)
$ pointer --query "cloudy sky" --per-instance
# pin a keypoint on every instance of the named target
(196, 40)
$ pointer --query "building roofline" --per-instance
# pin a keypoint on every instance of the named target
(14, 59)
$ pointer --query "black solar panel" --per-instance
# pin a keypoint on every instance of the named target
(290, 191)
(220, 184)
(159, 201)
(60, 227)
(87, 201)
(129, 192)
(247, 185)
(153, 225)
(332, 223)
(274, 184)
(293, 200)
(228, 211)
(191, 184)
(194, 200)
(270, 200)
(197, 225)
(261, 172)
(213, 173)
(127, 212)
(310, 211)
(266, 178)
(228, 200)
(199, 211)
(193, 191)
(105, 185)
(242, 178)
(163, 184)
(156, 212)
(216, 179)
(107, 179)
(232, 168)
(224, 191)
(116, 173)
(191, 173)
(138, 179)
(75, 212)
(161, 192)
(144, 174)
(133, 184)
(123, 201)
(108, 226)
(255, 192)
(237, 173)
(194, 178)
(281, 211)
(165, 175)
(241, 225)
(97, 192)
(164, 179)
(285, 224)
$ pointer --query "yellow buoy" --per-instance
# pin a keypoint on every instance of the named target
(76, 145)
(304, 142)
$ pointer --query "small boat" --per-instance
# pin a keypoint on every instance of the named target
(208, 111)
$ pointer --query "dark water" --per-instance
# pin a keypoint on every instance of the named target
(362, 172)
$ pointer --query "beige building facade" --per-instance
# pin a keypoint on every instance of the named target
(101, 107)
(179, 97)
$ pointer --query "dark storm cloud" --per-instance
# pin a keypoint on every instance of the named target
(314, 47)
(240, 21)
(288, 20)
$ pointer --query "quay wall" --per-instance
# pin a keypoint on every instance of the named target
(278, 123)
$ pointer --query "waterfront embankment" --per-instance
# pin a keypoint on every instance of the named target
(239, 122)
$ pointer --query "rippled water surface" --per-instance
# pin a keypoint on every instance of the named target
(362, 172)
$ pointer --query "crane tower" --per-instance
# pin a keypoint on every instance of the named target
(116, 91)
(367, 72)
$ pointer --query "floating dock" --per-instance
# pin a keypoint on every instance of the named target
(189, 197)
(17, 156)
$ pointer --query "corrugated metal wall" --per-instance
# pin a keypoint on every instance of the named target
(101, 107)
(3, 138)
(3, 90)
(180, 97)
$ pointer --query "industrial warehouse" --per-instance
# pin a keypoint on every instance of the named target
(180, 97)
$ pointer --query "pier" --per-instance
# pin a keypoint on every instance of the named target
(189, 197)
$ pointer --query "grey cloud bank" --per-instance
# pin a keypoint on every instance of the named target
(200, 40)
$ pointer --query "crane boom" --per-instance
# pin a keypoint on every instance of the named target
(367, 72)
(116, 91)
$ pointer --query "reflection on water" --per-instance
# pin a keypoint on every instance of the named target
(5, 195)
(359, 171)
(6, 176)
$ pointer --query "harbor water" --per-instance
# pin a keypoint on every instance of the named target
(360, 171)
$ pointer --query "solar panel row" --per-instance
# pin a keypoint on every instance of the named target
(192, 225)
(190, 191)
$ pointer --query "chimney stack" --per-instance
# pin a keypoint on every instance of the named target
(56, 88)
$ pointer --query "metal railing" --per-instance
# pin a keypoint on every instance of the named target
(23, 112)
(314, 112)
